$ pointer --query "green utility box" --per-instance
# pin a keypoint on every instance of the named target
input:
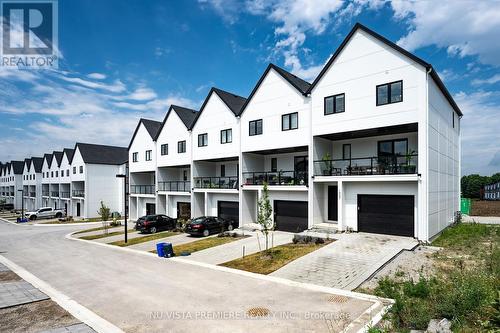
(465, 205)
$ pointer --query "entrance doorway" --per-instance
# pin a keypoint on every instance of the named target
(150, 209)
(77, 209)
(184, 210)
(333, 203)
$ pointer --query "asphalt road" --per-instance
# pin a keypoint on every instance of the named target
(138, 293)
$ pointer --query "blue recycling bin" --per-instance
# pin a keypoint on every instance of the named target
(168, 250)
(159, 249)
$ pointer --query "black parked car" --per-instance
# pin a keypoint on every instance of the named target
(7, 206)
(154, 223)
(206, 225)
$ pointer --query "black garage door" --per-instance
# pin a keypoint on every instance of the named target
(386, 214)
(290, 215)
(228, 210)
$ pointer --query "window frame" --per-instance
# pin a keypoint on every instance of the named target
(135, 156)
(223, 170)
(344, 146)
(289, 116)
(164, 149)
(388, 84)
(274, 164)
(393, 141)
(334, 104)
(148, 155)
(204, 140)
(81, 168)
(182, 144)
(255, 122)
(226, 131)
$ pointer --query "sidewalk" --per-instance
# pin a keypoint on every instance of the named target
(482, 219)
(175, 240)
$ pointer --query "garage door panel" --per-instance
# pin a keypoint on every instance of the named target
(228, 210)
(290, 215)
(386, 214)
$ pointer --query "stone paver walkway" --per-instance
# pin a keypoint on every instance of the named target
(234, 250)
(175, 240)
(77, 328)
(347, 262)
(19, 292)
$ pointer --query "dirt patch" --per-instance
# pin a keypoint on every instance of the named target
(9, 276)
(485, 208)
(407, 265)
(35, 317)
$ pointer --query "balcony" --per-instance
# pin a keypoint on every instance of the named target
(142, 189)
(175, 186)
(381, 165)
(216, 182)
(79, 193)
(279, 178)
(45, 193)
(65, 195)
(54, 194)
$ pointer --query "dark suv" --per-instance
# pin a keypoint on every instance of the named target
(154, 223)
(206, 225)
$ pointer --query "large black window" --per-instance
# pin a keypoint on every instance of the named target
(134, 157)
(255, 127)
(181, 147)
(74, 172)
(81, 169)
(202, 140)
(390, 93)
(346, 151)
(334, 104)
(289, 121)
(397, 147)
(226, 136)
(164, 149)
(223, 170)
(274, 164)
(148, 155)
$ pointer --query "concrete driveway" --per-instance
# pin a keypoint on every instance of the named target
(347, 262)
(142, 293)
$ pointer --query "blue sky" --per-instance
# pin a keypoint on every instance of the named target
(122, 60)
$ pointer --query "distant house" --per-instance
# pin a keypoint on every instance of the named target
(492, 191)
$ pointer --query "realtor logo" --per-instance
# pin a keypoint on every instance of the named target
(29, 33)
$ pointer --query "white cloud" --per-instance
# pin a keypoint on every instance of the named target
(116, 87)
(96, 76)
(491, 80)
(142, 94)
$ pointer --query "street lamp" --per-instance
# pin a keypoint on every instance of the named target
(22, 204)
(124, 200)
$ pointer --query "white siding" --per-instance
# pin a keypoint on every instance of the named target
(142, 142)
(173, 131)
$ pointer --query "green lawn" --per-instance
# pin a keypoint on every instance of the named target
(95, 229)
(465, 288)
(143, 239)
(109, 234)
(266, 262)
(203, 244)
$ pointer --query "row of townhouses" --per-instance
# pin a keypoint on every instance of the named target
(492, 191)
(371, 145)
(75, 180)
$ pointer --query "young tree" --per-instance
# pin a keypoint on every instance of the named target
(104, 213)
(264, 217)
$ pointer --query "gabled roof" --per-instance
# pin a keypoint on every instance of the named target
(299, 84)
(69, 154)
(48, 157)
(58, 156)
(152, 126)
(17, 167)
(37, 163)
(396, 47)
(100, 154)
(187, 116)
(27, 162)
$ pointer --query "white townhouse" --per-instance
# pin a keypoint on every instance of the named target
(65, 180)
(215, 156)
(46, 164)
(32, 181)
(142, 168)
(385, 141)
(275, 139)
(372, 145)
(12, 183)
(93, 179)
(173, 161)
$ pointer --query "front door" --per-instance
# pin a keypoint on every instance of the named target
(150, 209)
(184, 210)
(77, 209)
(300, 169)
(333, 203)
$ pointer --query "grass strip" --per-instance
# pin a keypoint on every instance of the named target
(148, 238)
(109, 234)
(266, 262)
(94, 229)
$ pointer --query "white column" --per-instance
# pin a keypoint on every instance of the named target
(340, 206)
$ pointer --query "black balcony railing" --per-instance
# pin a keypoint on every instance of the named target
(79, 193)
(65, 195)
(275, 178)
(381, 165)
(142, 189)
(54, 194)
(175, 186)
(45, 193)
(216, 182)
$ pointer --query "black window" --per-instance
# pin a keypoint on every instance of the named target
(334, 104)
(67, 173)
(222, 170)
(226, 136)
(57, 173)
(185, 175)
(134, 157)
(346, 151)
(52, 174)
(255, 127)
(74, 170)
(274, 164)
(164, 149)
(390, 93)
(289, 121)
(181, 147)
(397, 147)
(202, 140)
(148, 155)
(81, 169)
(453, 118)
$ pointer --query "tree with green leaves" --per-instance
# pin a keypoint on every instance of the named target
(104, 212)
(264, 215)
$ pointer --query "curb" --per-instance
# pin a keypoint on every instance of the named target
(80, 312)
